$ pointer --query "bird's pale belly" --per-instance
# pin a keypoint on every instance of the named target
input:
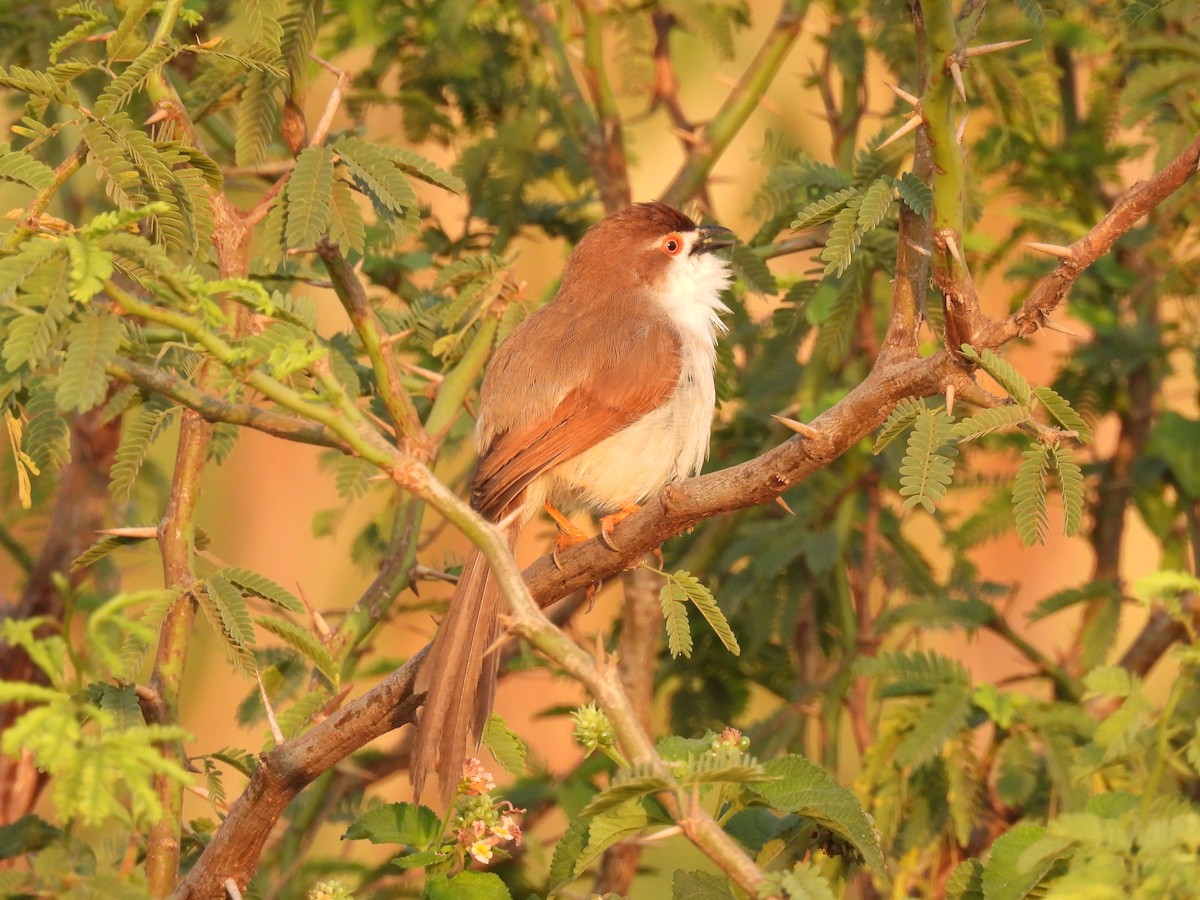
(634, 464)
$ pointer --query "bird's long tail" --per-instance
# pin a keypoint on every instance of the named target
(459, 678)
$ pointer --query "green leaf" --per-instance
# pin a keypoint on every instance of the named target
(699, 886)
(915, 193)
(704, 601)
(397, 823)
(1029, 495)
(1070, 479)
(615, 824)
(102, 548)
(308, 195)
(377, 174)
(234, 613)
(420, 167)
(258, 116)
(466, 885)
(1058, 407)
(90, 266)
(1033, 12)
(302, 641)
(505, 745)
(752, 269)
(803, 882)
(567, 854)
(824, 209)
(875, 205)
(22, 168)
(26, 835)
(966, 881)
(92, 344)
(1004, 878)
(1004, 373)
(944, 716)
(346, 227)
(261, 586)
(626, 787)
(118, 91)
(31, 336)
(679, 632)
(139, 433)
(988, 420)
(919, 672)
(928, 464)
(805, 788)
(843, 238)
(215, 608)
(902, 416)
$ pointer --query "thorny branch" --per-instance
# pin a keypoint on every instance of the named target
(285, 771)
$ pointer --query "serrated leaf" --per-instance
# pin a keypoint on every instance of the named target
(305, 643)
(988, 420)
(1004, 373)
(397, 823)
(612, 825)
(704, 601)
(92, 344)
(467, 885)
(928, 464)
(679, 632)
(902, 416)
(625, 789)
(1005, 878)
(1058, 407)
(824, 209)
(567, 853)
(699, 885)
(915, 193)
(505, 745)
(1029, 496)
(802, 787)
(307, 195)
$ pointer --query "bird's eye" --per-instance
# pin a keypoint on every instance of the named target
(672, 244)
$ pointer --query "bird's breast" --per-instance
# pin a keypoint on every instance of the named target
(668, 443)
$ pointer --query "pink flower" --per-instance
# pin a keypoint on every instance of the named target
(476, 781)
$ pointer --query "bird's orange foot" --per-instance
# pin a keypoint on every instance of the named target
(568, 534)
(609, 523)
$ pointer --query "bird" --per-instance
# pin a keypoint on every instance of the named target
(595, 402)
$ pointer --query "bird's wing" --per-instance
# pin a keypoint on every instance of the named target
(627, 373)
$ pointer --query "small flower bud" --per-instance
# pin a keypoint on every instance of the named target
(592, 728)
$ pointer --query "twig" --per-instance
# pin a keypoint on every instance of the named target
(741, 102)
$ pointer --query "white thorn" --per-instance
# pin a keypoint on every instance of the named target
(952, 247)
(984, 49)
(787, 509)
(962, 129)
(904, 95)
(1061, 330)
(799, 427)
(951, 390)
(956, 74)
(1053, 249)
(924, 251)
(911, 125)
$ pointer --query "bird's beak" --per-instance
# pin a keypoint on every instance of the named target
(712, 237)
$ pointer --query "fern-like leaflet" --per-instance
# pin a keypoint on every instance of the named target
(928, 464)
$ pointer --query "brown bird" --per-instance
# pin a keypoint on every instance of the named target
(596, 402)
